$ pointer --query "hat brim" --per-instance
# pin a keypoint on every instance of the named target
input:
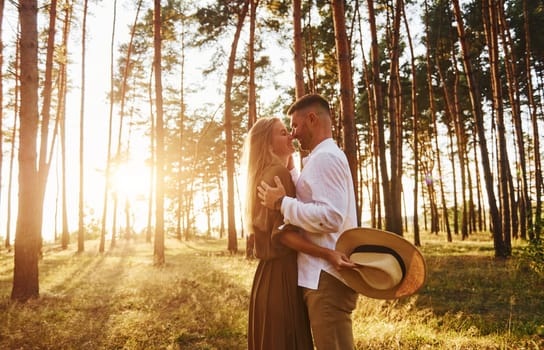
(414, 262)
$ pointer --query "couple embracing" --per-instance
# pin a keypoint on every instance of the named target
(307, 280)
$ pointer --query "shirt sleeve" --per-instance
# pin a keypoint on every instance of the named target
(325, 179)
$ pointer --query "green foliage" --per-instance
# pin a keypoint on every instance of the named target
(532, 256)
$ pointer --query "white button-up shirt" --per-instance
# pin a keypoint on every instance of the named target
(324, 207)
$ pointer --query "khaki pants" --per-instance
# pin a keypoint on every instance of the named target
(330, 308)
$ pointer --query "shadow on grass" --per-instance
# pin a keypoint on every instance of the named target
(493, 295)
(199, 299)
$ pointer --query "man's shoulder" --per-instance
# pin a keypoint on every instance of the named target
(328, 146)
(331, 153)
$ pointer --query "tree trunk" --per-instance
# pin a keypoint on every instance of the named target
(252, 103)
(17, 76)
(490, 25)
(298, 54)
(43, 164)
(81, 216)
(27, 237)
(221, 208)
(158, 252)
(61, 116)
(454, 116)
(110, 130)
(525, 219)
(534, 124)
(454, 176)
(346, 93)
(481, 215)
(474, 93)
(119, 157)
(231, 220)
(148, 235)
(415, 123)
(374, 196)
(432, 109)
(394, 220)
(378, 103)
(179, 214)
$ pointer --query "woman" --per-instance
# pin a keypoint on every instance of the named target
(277, 314)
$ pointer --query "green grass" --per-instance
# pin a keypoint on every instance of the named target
(199, 299)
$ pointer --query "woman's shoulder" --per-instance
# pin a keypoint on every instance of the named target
(284, 175)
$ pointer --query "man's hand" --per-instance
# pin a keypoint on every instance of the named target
(270, 195)
(339, 260)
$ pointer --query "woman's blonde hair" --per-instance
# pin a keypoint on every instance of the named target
(257, 156)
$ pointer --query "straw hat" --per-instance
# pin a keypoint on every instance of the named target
(388, 266)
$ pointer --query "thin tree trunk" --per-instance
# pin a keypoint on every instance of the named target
(454, 115)
(158, 253)
(181, 132)
(454, 176)
(394, 220)
(378, 103)
(61, 115)
(81, 216)
(470, 205)
(490, 25)
(43, 165)
(110, 130)
(221, 208)
(231, 220)
(375, 207)
(346, 93)
(432, 109)
(119, 153)
(152, 153)
(425, 220)
(474, 93)
(298, 53)
(481, 215)
(461, 138)
(252, 101)
(514, 98)
(17, 75)
(415, 122)
(310, 57)
(534, 124)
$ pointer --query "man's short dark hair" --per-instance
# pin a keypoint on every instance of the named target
(309, 100)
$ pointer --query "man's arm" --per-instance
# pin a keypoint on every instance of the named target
(294, 241)
(327, 178)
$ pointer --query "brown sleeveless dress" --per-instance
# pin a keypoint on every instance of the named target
(278, 319)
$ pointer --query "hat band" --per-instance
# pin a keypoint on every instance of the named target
(370, 248)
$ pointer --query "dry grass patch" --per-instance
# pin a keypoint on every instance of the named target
(199, 300)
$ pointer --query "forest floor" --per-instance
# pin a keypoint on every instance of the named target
(199, 300)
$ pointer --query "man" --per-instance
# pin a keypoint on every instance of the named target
(324, 207)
